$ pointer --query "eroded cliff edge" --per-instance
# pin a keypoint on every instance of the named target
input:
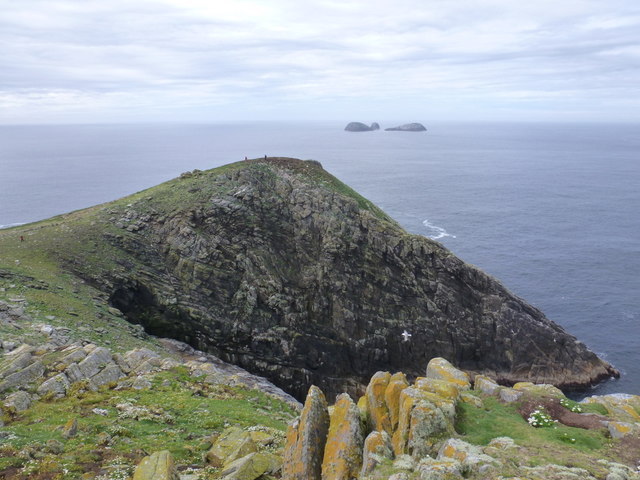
(278, 267)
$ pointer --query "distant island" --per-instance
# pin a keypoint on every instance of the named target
(408, 127)
(361, 127)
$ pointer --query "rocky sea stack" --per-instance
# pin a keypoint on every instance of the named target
(408, 127)
(361, 127)
(278, 267)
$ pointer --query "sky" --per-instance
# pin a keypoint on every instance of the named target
(95, 61)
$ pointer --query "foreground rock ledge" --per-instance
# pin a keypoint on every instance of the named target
(276, 266)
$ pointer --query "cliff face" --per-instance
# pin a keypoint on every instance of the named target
(279, 268)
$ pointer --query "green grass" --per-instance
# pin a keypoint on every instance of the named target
(560, 444)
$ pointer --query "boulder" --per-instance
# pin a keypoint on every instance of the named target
(541, 389)
(306, 439)
(57, 385)
(343, 450)
(622, 429)
(377, 448)
(397, 383)
(232, 444)
(95, 361)
(470, 456)
(408, 127)
(485, 385)
(420, 422)
(440, 369)
(157, 466)
(70, 428)
(18, 363)
(109, 374)
(376, 404)
(141, 383)
(23, 377)
(439, 469)
(20, 401)
(75, 355)
(509, 395)
(251, 467)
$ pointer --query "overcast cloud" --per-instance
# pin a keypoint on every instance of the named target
(424, 60)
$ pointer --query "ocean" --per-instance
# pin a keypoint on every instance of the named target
(551, 210)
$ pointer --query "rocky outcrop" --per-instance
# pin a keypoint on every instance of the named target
(306, 439)
(361, 127)
(408, 127)
(276, 266)
(425, 445)
(343, 451)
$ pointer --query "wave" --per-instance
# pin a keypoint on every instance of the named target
(9, 225)
(436, 232)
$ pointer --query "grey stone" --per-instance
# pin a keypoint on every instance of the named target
(140, 383)
(18, 363)
(95, 361)
(137, 357)
(19, 400)
(110, 373)
(74, 374)
(58, 385)
(23, 377)
(509, 395)
(122, 362)
(76, 355)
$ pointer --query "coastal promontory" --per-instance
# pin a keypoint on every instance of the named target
(276, 266)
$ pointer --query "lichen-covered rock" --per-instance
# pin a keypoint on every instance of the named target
(343, 450)
(251, 466)
(376, 404)
(397, 383)
(542, 389)
(439, 469)
(70, 428)
(428, 423)
(57, 385)
(471, 399)
(441, 369)
(306, 439)
(620, 406)
(19, 400)
(555, 472)
(443, 388)
(486, 385)
(470, 456)
(157, 466)
(23, 377)
(377, 448)
(232, 444)
(509, 395)
(622, 429)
